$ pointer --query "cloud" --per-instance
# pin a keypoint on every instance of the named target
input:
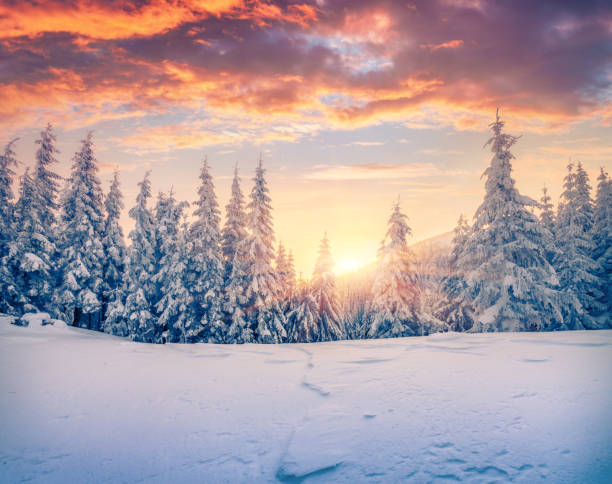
(592, 152)
(377, 171)
(198, 134)
(452, 44)
(338, 64)
(117, 19)
(366, 143)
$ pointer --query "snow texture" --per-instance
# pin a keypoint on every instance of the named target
(497, 407)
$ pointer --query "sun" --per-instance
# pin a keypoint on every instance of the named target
(345, 266)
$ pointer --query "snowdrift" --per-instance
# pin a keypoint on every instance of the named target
(81, 406)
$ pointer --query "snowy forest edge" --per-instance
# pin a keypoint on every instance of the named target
(521, 265)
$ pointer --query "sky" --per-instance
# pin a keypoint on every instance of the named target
(351, 103)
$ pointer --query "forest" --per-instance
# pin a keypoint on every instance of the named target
(188, 276)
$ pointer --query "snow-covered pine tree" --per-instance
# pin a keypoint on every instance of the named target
(602, 241)
(394, 309)
(46, 181)
(31, 274)
(290, 279)
(281, 262)
(509, 281)
(7, 162)
(323, 290)
(453, 308)
(8, 288)
(206, 267)
(114, 264)
(283, 271)
(235, 228)
(261, 285)
(547, 219)
(233, 246)
(79, 295)
(235, 300)
(576, 268)
(303, 322)
(166, 222)
(139, 313)
(33, 263)
(547, 214)
(176, 306)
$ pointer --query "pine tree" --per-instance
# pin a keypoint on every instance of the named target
(281, 262)
(33, 263)
(139, 313)
(262, 309)
(453, 309)
(46, 181)
(509, 282)
(206, 267)
(8, 288)
(547, 214)
(176, 306)
(235, 300)
(30, 262)
(577, 271)
(114, 267)
(547, 219)
(323, 290)
(233, 248)
(602, 241)
(303, 322)
(394, 310)
(7, 226)
(283, 272)
(235, 228)
(290, 279)
(80, 242)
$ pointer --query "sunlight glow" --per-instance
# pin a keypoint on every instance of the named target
(345, 266)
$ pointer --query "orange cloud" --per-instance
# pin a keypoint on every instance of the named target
(333, 67)
(122, 19)
(453, 44)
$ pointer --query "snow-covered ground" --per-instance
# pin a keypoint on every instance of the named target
(79, 406)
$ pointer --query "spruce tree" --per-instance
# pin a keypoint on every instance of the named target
(453, 308)
(547, 219)
(509, 281)
(7, 225)
(30, 262)
(394, 309)
(8, 288)
(175, 305)
(303, 322)
(262, 309)
(235, 300)
(323, 290)
(206, 267)
(139, 313)
(235, 228)
(283, 272)
(114, 263)
(80, 242)
(290, 279)
(46, 181)
(576, 268)
(547, 214)
(602, 242)
(33, 263)
(233, 248)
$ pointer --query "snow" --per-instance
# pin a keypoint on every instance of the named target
(82, 406)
